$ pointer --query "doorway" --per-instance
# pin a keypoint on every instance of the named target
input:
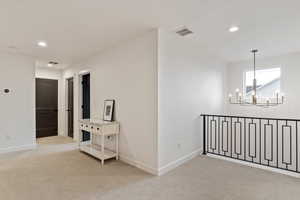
(70, 107)
(46, 107)
(86, 112)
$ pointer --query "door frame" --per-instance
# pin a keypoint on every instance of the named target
(81, 74)
(80, 94)
(77, 86)
(67, 105)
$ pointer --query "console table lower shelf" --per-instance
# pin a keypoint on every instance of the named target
(96, 151)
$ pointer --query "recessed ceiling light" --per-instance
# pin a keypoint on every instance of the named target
(233, 29)
(42, 44)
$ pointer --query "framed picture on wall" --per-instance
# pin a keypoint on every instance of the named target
(108, 112)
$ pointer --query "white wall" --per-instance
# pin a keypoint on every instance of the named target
(290, 70)
(190, 82)
(17, 109)
(55, 74)
(128, 74)
(161, 84)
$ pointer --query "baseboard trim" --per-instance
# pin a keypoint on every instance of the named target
(138, 164)
(17, 148)
(293, 174)
(172, 165)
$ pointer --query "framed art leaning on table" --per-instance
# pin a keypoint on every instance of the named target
(108, 112)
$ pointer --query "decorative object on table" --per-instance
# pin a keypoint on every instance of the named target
(254, 99)
(108, 112)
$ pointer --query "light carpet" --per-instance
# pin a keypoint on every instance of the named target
(56, 170)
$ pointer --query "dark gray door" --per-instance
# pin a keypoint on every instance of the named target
(86, 102)
(46, 107)
(70, 109)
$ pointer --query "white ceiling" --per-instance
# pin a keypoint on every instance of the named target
(76, 29)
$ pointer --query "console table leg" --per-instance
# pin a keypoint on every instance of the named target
(117, 147)
(102, 149)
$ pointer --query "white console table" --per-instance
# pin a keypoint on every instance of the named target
(103, 130)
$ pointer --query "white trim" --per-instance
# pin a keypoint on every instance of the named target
(280, 171)
(84, 72)
(172, 165)
(17, 148)
(138, 164)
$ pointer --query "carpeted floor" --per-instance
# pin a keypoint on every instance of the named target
(57, 171)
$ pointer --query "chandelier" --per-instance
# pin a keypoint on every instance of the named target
(253, 99)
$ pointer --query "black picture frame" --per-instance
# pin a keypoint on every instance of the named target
(108, 111)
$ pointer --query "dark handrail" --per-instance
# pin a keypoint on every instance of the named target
(242, 117)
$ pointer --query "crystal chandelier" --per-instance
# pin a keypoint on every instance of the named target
(253, 99)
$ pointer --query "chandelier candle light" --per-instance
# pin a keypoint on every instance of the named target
(254, 99)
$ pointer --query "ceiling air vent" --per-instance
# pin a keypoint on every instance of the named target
(51, 64)
(184, 32)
